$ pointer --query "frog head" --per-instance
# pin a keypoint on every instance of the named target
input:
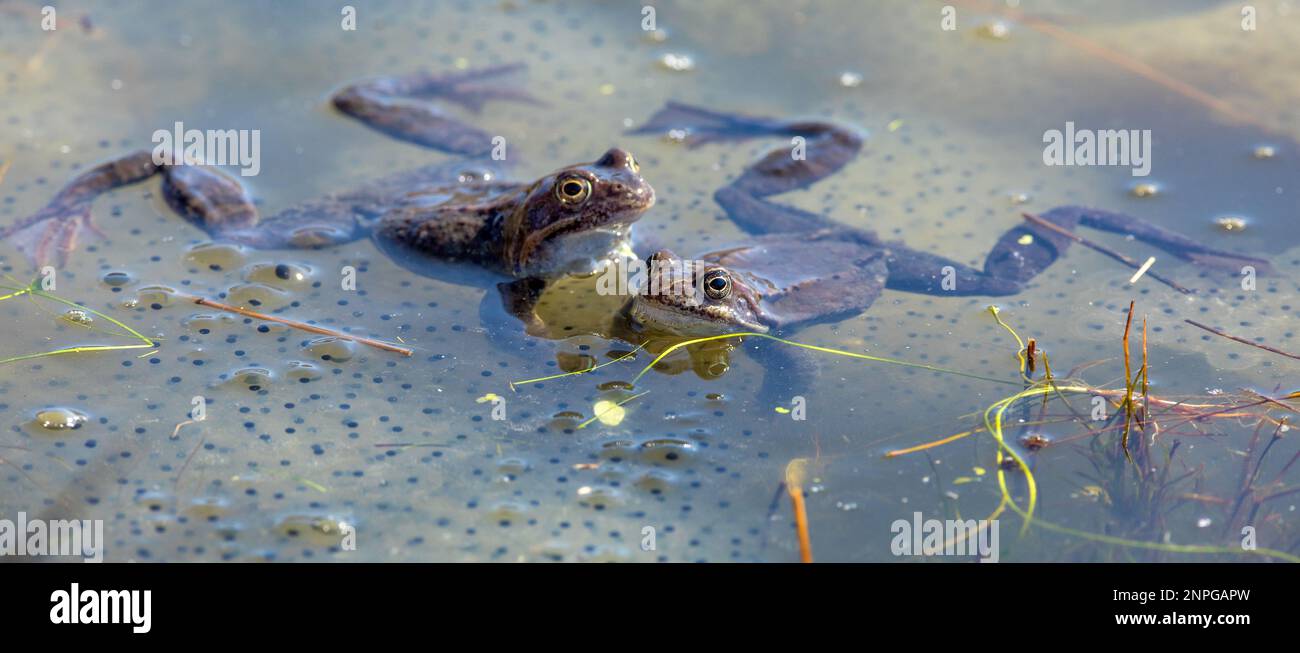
(576, 218)
(695, 298)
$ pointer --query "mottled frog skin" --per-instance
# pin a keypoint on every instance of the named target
(567, 222)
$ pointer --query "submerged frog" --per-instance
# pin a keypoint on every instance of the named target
(802, 268)
(567, 222)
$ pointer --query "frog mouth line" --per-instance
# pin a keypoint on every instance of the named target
(688, 319)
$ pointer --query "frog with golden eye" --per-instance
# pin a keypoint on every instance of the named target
(567, 222)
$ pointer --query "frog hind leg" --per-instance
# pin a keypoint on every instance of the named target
(214, 201)
(828, 299)
(823, 149)
(399, 107)
(1028, 249)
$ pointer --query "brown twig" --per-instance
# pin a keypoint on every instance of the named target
(1241, 340)
(1105, 250)
(302, 326)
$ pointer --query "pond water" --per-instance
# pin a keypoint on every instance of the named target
(304, 439)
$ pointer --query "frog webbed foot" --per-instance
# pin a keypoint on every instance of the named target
(51, 234)
(392, 105)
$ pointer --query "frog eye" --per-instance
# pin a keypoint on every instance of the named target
(572, 190)
(717, 284)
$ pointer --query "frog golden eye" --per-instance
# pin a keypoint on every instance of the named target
(717, 284)
(572, 190)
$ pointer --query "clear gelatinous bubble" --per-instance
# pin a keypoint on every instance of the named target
(675, 62)
(996, 30)
(302, 371)
(507, 512)
(314, 529)
(1264, 151)
(59, 418)
(250, 378)
(1231, 223)
(257, 296)
(77, 316)
(850, 79)
(599, 497)
(285, 275)
(116, 278)
(207, 508)
(331, 348)
(204, 323)
(154, 296)
(1145, 189)
(216, 256)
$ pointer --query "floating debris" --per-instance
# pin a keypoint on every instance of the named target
(681, 63)
(1145, 189)
(1264, 152)
(77, 316)
(1230, 223)
(608, 412)
(997, 30)
(850, 79)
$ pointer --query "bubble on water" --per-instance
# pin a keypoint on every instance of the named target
(59, 418)
(154, 296)
(250, 378)
(77, 316)
(654, 450)
(505, 513)
(116, 278)
(313, 529)
(204, 323)
(1231, 223)
(154, 501)
(216, 256)
(600, 498)
(1145, 189)
(677, 62)
(1204, 522)
(258, 296)
(1264, 151)
(331, 348)
(655, 481)
(512, 467)
(570, 362)
(850, 79)
(996, 30)
(286, 276)
(302, 371)
(207, 508)
(655, 35)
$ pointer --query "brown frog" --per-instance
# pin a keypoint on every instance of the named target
(801, 267)
(567, 222)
